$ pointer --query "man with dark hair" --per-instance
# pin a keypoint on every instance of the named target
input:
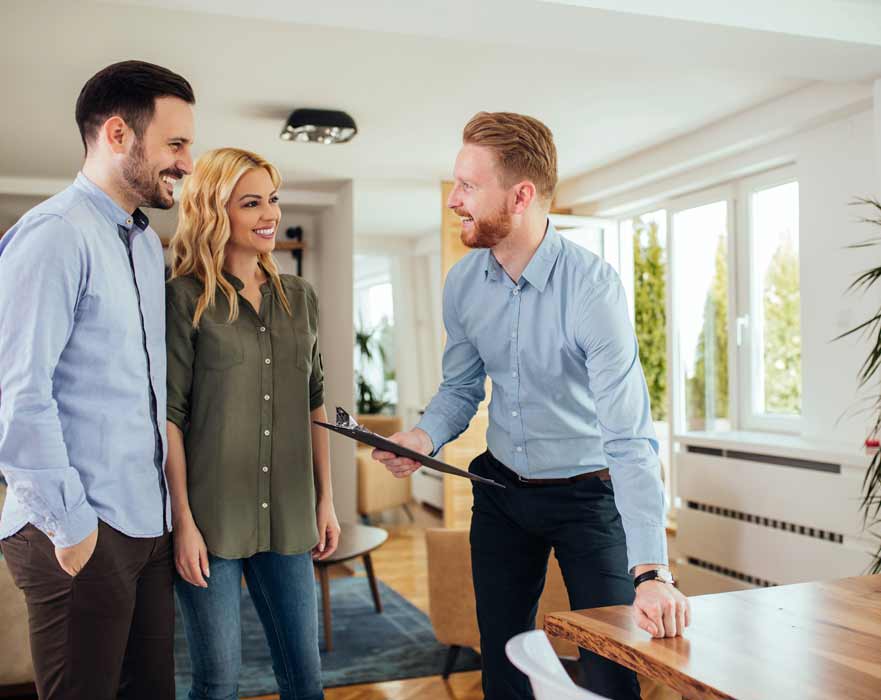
(570, 428)
(85, 526)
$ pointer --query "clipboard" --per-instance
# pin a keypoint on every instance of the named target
(347, 426)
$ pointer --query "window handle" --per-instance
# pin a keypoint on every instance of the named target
(742, 324)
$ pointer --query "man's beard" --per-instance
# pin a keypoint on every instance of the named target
(486, 233)
(149, 191)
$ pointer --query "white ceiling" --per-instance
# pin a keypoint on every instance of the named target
(608, 83)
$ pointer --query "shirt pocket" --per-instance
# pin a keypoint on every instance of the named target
(219, 346)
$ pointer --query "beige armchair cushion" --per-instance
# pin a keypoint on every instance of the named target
(378, 489)
(451, 603)
(15, 652)
(381, 424)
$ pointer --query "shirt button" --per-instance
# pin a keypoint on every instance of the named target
(266, 469)
(266, 433)
(519, 449)
(266, 505)
(515, 292)
(514, 413)
(266, 397)
(262, 329)
(268, 361)
(514, 374)
(128, 222)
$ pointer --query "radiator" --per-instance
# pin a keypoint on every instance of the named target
(747, 519)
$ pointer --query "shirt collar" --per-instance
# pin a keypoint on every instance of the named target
(234, 281)
(239, 285)
(491, 268)
(109, 208)
(538, 270)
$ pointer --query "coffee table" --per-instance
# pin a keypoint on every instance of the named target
(355, 541)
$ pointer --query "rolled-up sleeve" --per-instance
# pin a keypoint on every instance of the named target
(464, 377)
(316, 379)
(43, 269)
(624, 413)
(180, 347)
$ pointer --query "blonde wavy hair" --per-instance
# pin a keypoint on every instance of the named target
(203, 230)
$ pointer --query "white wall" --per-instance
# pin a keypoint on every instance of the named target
(331, 253)
(877, 104)
(835, 163)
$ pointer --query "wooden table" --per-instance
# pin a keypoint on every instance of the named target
(355, 541)
(805, 641)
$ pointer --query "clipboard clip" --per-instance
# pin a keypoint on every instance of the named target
(344, 420)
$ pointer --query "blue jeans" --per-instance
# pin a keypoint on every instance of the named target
(283, 590)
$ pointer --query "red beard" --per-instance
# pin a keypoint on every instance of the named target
(486, 233)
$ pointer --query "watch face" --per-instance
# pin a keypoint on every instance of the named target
(665, 576)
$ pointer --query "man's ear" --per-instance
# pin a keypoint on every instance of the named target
(116, 134)
(524, 194)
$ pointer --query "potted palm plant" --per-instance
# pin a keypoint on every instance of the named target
(871, 493)
(369, 345)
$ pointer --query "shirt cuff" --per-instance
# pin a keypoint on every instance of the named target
(316, 399)
(72, 528)
(646, 544)
(176, 416)
(437, 429)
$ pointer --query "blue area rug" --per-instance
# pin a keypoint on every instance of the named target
(369, 647)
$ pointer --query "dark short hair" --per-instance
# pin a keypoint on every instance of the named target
(128, 89)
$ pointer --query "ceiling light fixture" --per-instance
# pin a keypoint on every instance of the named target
(319, 126)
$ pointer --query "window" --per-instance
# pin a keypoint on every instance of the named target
(376, 385)
(646, 235)
(769, 327)
(645, 238)
(700, 310)
(732, 311)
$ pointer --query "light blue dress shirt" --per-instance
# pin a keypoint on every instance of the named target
(82, 369)
(568, 392)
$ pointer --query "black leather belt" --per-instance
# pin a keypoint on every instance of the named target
(601, 474)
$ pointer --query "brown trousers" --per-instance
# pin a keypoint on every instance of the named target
(107, 633)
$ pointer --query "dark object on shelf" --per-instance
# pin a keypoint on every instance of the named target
(295, 233)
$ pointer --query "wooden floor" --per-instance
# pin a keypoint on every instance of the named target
(401, 563)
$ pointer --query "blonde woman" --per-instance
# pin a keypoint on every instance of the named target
(249, 475)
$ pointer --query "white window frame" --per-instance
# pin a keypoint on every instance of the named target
(744, 391)
(676, 411)
(749, 299)
(737, 194)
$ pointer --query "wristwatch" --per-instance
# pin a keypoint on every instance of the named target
(661, 575)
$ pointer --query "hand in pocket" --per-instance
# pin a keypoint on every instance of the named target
(73, 559)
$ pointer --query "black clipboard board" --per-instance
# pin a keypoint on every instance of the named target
(370, 438)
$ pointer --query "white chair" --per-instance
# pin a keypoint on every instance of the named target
(532, 653)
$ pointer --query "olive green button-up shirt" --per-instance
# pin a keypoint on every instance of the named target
(242, 393)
